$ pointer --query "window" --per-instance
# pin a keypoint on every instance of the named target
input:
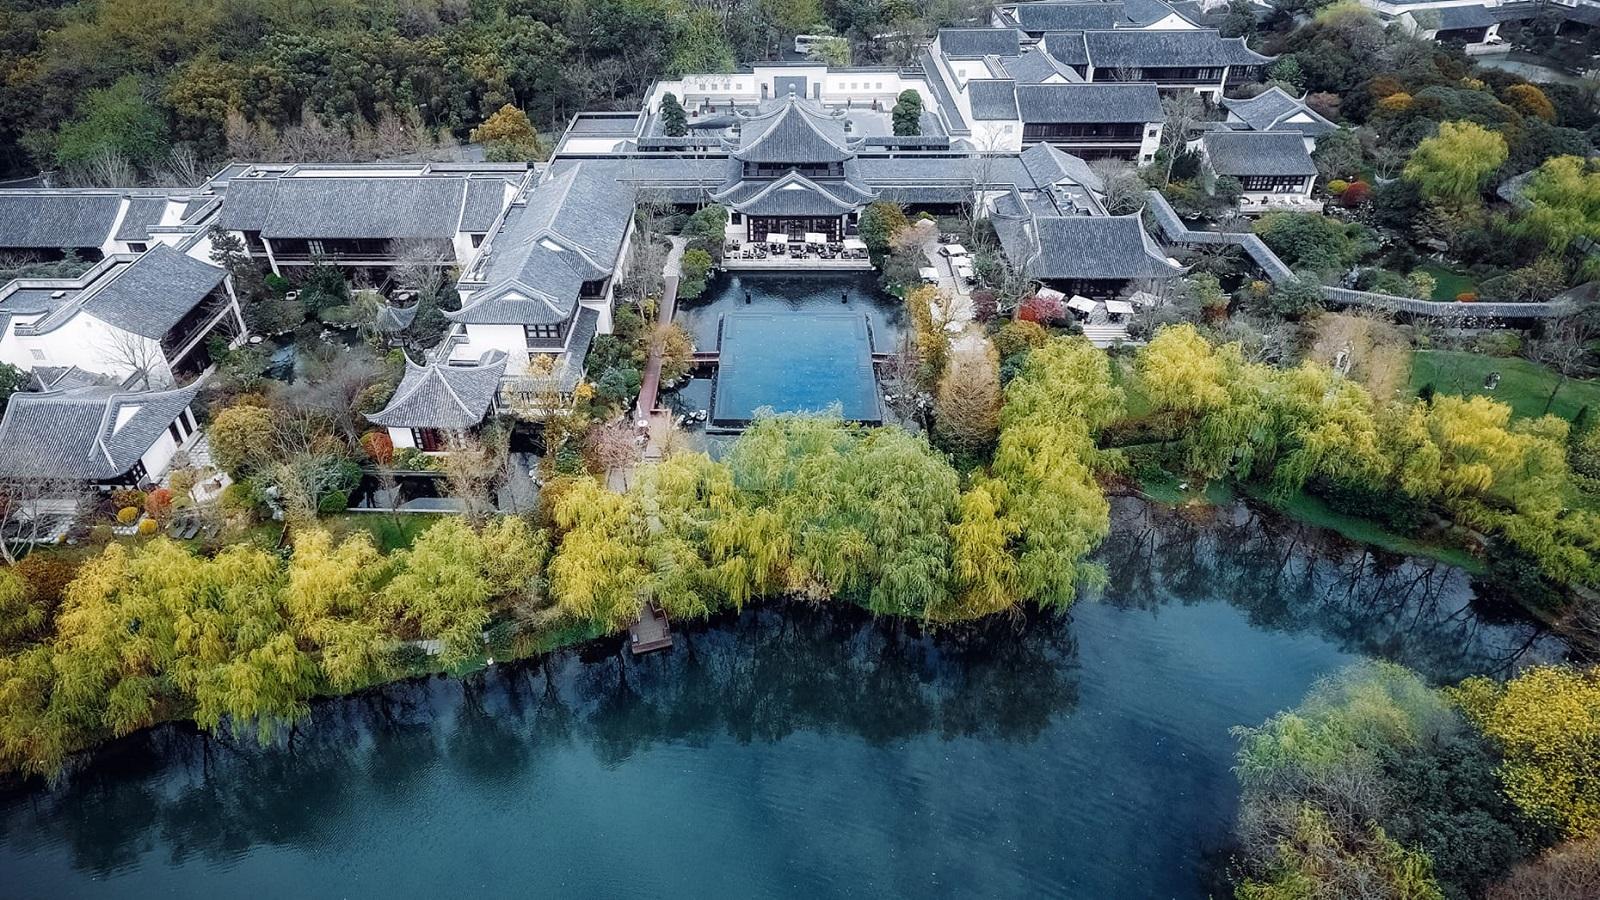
(136, 247)
(541, 334)
(1279, 184)
(177, 436)
(315, 248)
(477, 241)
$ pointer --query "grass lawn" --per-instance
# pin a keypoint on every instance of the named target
(1524, 385)
(1448, 282)
(1313, 511)
(382, 526)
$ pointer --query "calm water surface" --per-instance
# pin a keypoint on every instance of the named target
(789, 751)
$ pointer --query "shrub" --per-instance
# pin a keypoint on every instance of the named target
(127, 515)
(333, 502)
(1044, 310)
(378, 447)
(1337, 186)
(240, 496)
(1018, 337)
(147, 528)
(127, 497)
(1467, 297)
(158, 503)
(984, 306)
(1358, 193)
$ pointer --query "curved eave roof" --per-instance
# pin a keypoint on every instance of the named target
(437, 395)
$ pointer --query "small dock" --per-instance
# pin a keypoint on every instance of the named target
(650, 632)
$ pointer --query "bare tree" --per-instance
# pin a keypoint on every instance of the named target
(140, 357)
(1182, 112)
(1564, 347)
(183, 168)
(473, 466)
(32, 508)
(1121, 187)
(339, 384)
(106, 168)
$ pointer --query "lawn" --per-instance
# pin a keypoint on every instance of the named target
(1448, 282)
(1524, 385)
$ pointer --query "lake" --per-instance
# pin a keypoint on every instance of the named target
(789, 751)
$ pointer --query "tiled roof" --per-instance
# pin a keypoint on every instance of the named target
(977, 42)
(1465, 17)
(794, 131)
(439, 395)
(1136, 48)
(569, 230)
(353, 206)
(395, 319)
(993, 100)
(1243, 153)
(46, 220)
(1084, 103)
(1273, 109)
(153, 294)
(143, 212)
(1070, 15)
(1049, 165)
(485, 198)
(1093, 247)
(794, 195)
(74, 434)
(1037, 67)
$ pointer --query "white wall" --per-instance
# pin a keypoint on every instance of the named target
(481, 339)
(86, 342)
(401, 438)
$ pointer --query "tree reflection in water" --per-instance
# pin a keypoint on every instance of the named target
(791, 669)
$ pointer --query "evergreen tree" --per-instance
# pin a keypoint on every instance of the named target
(673, 120)
(907, 113)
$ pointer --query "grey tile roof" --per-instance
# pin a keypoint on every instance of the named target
(485, 198)
(1092, 247)
(1146, 12)
(438, 395)
(1037, 67)
(993, 100)
(964, 43)
(1067, 47)
(62, 378)
(794, 131)
(395, 319)
(1086, 103)
(142, 213)
(947, 104)
(794, 195)
(568, 230)
(350, 206)
(45, 220)
(1272, 110)
(1241, 153)
(1153, 49)
(1049, 165)
(1465, 17)
(1071, 15)
(75, 434)
(151, 295)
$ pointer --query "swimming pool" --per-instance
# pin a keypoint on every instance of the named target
(800, 342)
(794, 363)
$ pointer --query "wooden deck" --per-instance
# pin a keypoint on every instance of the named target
(651, 632)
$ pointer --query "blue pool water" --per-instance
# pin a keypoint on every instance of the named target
(794, 342)
(773, 360)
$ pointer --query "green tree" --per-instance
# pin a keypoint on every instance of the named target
(12, 379)
(967, 405)
(509, 136)
(1454, 164)
(879, 222)
(696, 265)
(118, 121)
(907, 113)
(21, 613)
(833, 52)
(674, 121)
(240, 437)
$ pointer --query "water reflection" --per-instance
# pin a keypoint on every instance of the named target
(1039, 754)
(1290, 577)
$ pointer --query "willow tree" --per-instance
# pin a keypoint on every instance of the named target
(329, 597)
(444, 585)
(598, 570)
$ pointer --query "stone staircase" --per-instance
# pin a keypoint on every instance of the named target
(1105, 334)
